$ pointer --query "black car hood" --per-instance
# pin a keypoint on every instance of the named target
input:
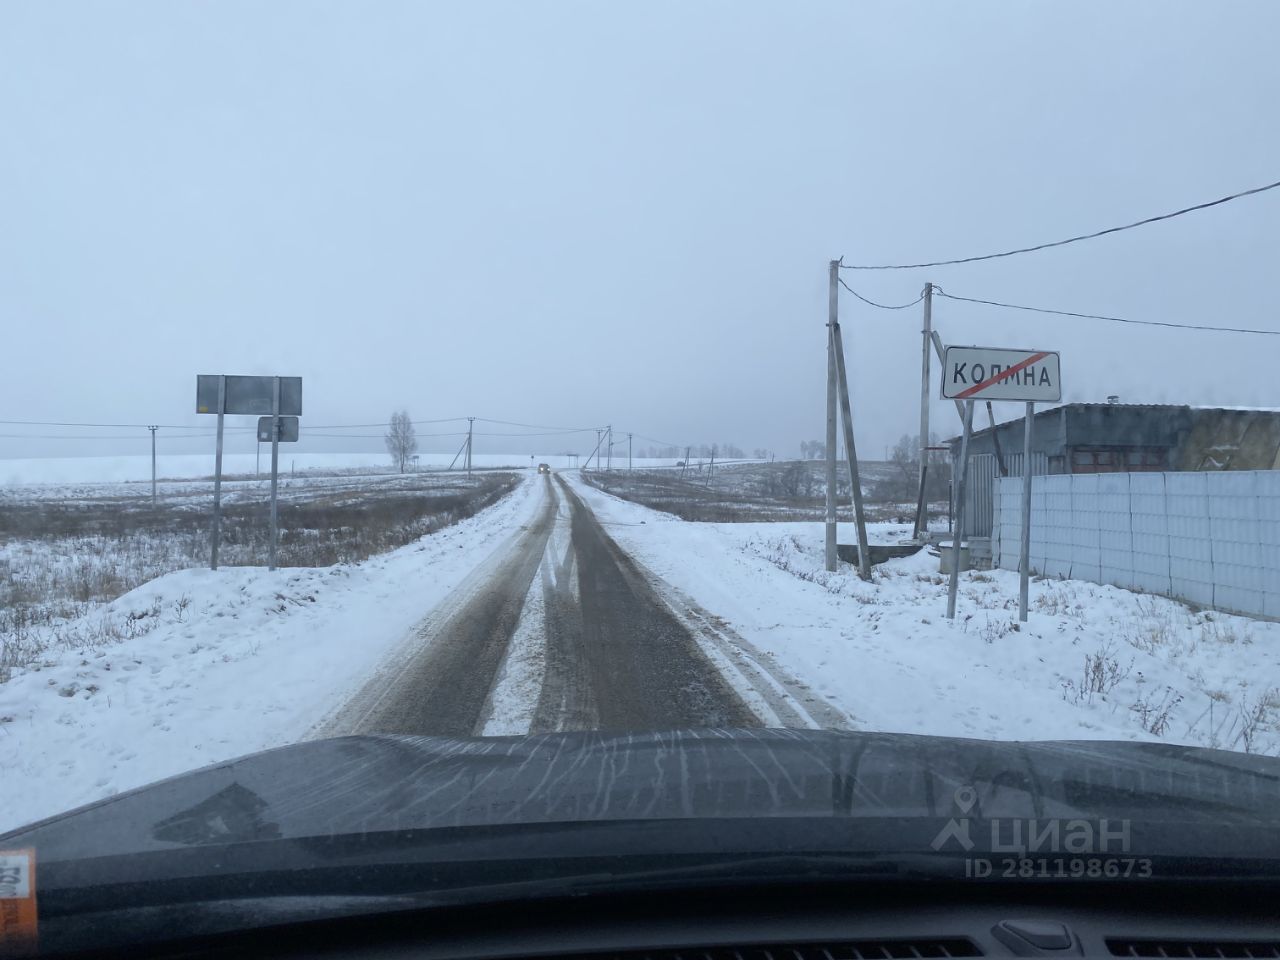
(368, 784)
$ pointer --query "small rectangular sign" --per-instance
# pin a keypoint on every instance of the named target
(996, 373)
(248, 396)
(288, 429)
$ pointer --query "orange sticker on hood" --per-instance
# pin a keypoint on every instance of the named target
(17, 903)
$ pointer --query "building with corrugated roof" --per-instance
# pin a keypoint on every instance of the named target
(1124, 437)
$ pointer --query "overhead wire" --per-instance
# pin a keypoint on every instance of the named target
(114, 426)
(1062, 243)
(1098, 316)
(882, 306)
(661, 443)
(100, 436)
(1067, 313)
(536, 426)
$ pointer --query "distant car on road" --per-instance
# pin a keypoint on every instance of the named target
(544, 468)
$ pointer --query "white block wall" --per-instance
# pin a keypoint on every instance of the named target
(1209, 538)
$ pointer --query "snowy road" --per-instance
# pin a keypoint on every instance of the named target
(560, 630)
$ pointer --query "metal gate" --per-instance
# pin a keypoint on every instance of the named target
(979, 507)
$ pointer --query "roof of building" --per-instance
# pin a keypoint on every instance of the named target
(1202, 437)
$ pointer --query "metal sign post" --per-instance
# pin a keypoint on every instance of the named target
(216, 534)
(996, 373)
(957, 535)
(1024, 558)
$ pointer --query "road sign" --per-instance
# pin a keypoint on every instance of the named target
(281, 397)
(288, 430)
(248, 396)
(994, 373)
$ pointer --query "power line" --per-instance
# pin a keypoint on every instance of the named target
(661, 443)
(536, 426)
(99, 436)
(548, 433)
(114, 426)
(1066, 313)
(384, 423)
(1097, 316)
(882, 306)
(372, 436)
(1063, 243)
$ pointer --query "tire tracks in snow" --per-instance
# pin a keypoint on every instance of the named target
(561, 629)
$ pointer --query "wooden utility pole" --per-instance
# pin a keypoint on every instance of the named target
(153, 464)
(471, 422)
(855, 482)
(628, 453)
(833, 315)
(922, 504)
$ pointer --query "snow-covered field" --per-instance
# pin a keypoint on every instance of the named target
(196, 666)
(753, 491)
(19, 472)
(62, 556)
(1092, 662)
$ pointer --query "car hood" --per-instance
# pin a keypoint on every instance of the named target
(368, 784)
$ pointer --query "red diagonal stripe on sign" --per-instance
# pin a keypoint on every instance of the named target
(978, 387)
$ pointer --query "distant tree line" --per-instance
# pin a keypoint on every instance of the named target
(703, 451)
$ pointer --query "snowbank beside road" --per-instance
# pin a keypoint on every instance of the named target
(200, 666)
(1093, 662)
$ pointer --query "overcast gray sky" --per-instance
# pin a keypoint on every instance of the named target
(580, 213)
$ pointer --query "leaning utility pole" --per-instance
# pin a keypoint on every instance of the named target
(153, 430)
(833, 312)
(855, 482)
(922, 508)
(960, 495)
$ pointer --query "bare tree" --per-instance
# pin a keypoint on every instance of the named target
(900, 485)
(402, 442)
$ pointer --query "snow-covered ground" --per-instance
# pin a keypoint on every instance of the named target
(1091, 662)
(196, 666)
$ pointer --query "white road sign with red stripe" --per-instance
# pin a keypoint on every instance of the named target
(995, 373)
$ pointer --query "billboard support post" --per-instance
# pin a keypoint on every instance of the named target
(275, 470)
(216, 535)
